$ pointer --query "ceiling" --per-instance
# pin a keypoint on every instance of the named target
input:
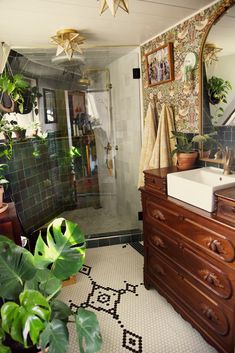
(27, 25)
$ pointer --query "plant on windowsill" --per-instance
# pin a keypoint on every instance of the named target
(31, 315)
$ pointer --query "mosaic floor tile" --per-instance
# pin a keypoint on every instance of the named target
(132, 319)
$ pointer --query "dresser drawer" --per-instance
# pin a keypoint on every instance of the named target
(202, 233)
(155, 184)
(209, 316)
(226, 210)
(199, 271)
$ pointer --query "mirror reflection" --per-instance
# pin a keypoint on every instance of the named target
(218, 82)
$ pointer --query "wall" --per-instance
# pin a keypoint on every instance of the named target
(127, 126)
(40, 183)
(182, 96)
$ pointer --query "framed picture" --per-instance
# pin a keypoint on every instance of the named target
(160, 66)
(49, 106)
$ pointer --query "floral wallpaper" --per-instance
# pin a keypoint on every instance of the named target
(183, 96)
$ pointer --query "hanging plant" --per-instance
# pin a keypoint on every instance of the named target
(218, 90)
(14, 86)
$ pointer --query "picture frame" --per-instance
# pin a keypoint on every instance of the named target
(160, 65)
(49, 106)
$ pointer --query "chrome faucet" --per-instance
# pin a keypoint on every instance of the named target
(225, 157)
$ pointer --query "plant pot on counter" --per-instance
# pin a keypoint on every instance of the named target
(186, 160)
(20, 134)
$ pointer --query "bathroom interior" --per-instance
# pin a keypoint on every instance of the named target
(102, 118)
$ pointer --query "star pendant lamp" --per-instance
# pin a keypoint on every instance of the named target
(68, 41)
(113, 5)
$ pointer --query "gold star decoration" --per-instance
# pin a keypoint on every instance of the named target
(69, 41)
(113, 5)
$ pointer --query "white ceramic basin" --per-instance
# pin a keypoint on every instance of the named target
(197, 186)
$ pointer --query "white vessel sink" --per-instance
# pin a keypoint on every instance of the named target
(197, 186)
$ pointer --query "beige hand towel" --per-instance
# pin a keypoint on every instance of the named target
(164, 144)
(148, 142)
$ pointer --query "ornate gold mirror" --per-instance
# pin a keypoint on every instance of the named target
(218, 82)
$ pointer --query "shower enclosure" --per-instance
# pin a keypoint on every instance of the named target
(86, 168)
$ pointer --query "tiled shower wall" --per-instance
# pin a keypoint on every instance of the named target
(40, 180)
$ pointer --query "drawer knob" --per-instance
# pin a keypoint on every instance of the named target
(216, 246)
(211, 278)
(160, 270)
(210, 314)
(158, 215)
(180, 218)
(158, 242)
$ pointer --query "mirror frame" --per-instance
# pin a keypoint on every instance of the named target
(212, 20)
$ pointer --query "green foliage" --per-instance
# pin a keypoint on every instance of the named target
(88, 331)
(186, 144)
(218, 89)
(14, 86)
(28, 319)
(16, 267)
(30, 283)
(63, 249)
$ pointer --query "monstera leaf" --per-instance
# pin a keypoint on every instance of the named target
(55, 336)
(64, 249)
(27, 319)
(3, 348)
(45, 282)
(60, 310)
(16, 266)
(88, 331)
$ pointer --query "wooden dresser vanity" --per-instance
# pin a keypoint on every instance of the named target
(190, 259)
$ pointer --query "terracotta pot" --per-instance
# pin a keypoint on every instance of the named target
(186, 160)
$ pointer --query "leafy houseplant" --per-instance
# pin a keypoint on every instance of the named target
(14, 86)
(18, 130)
(186, 148)
(29, 284)
(218, 89)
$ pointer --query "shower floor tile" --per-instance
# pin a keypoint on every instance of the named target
(132, 319)
(93, 221)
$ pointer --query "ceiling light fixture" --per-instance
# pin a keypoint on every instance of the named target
(113, 5)
(68, 41)
(210, 53)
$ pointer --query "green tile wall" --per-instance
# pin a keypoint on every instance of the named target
(41, 185)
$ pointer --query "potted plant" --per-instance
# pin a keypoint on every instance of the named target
(31, 315)
(14, 86)
(207, 143)
(218, 90)
(18, 130)
(186, 149)
(30, 95)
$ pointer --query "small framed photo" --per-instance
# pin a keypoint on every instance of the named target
(49, 106)
(160, 65)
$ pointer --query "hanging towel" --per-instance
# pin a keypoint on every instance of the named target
(148, 141)
(164, 144)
